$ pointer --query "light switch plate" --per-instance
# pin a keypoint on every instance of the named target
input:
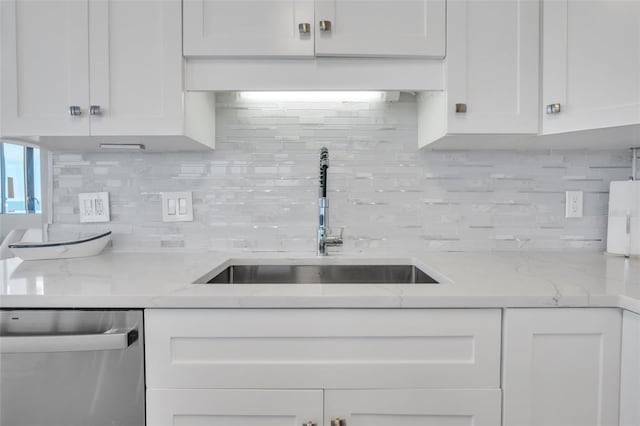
(94, 207)
(574, 204)
(177, 206)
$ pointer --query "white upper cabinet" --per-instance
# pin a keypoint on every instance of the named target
(235, 45)
(44, 67)
(491, 73)
(78, 73)
(136, 67)
(492, 66)
(298, 28)
(591, 63)
(248, 27)
(380, 28)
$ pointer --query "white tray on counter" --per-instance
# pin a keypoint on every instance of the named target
(89, 246)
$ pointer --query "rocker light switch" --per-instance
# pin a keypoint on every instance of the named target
(171, 207)
(177, 207)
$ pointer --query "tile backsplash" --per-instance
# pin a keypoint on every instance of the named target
(258, 190)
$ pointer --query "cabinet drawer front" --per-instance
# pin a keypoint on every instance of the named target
(327, 348)
(414, 407)
(205, 407)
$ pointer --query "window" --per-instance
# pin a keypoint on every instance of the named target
(20, 189)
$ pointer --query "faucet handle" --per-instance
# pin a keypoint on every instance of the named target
(337, 239)
(333, 240)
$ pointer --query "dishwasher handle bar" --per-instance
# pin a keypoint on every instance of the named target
(113, 339)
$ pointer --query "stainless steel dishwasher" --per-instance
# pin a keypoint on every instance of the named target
(71, 368)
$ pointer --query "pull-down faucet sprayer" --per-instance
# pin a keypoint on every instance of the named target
(324, 237)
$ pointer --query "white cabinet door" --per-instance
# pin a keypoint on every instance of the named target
(380, 28)
(44, 67)
(561, 367)
(136, 67)
(415, 407)
(630, 376)
(205, 407)
(492, 66)
(591, 58)
(247, 27)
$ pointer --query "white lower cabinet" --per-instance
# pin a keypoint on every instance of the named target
(210, 407)
(286, 367)
(630, 374)
(561, 367)
(397, 407)
(413, 407)
(399, 367)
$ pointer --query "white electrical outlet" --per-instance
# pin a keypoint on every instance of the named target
(177, 206)
(94, 207)
(574, 204)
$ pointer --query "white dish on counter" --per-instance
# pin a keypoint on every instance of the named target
(89, 246)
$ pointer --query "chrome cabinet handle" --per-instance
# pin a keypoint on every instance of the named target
(95, 110)
(325, 25)
(109, 340)
(304, 28)
(309, 423)
(75, 111)
(461, 108)
(554, 108)
(338, 422)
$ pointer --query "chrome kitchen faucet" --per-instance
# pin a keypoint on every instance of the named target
(324, 237)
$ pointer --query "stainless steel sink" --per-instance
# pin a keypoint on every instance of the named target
(319, 274)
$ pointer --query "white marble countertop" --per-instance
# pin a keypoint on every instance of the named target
(150, 280)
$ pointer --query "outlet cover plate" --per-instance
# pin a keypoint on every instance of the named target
(574, 204)
(94, 207)
(177, 206)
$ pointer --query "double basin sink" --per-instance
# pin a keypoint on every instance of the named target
(317, 273)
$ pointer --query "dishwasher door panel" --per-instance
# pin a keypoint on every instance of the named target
(71, 368)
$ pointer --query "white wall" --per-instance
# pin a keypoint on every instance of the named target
(18, 221)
